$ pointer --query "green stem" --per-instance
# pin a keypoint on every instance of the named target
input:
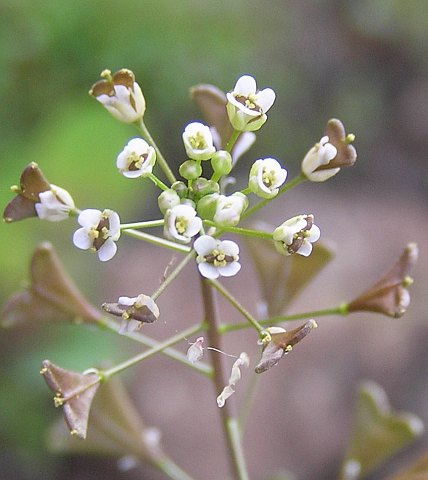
(170, 468)
(159, 157)
(160, 242)
(157, 181)
(230, 428)
(201, 367)
(233, 301)
(246, 191)
(173, 274)
(147, 224)
(285, 188)
(232, 140)
(240, 231)
(248, 402)
(339, 310)
(107, 374)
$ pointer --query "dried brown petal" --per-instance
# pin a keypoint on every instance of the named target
(32, 183)
(389, 295)
(281, 343)
(52, 295)
(346, 153)
(74, 392)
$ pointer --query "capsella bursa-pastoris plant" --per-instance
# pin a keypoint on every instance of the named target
(204, 220)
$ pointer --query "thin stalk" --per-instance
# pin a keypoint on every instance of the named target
(166, 465)
(232, 436)
(285, 188)
(232, 140)
(339, 310)
(149, 342)
(146, 224)
(157, 181)
(106, 374)
(160, 159)
(248, 402)
(173, 275)
(240, 231)
(233, 301)
(160, 242)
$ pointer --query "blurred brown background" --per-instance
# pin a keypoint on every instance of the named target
(363, 62)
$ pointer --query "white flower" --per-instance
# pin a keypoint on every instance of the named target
(196, 350)
(140, 309)
(320, 155)
(181, 223)
(99, 232)
(55, 204)
(235, 376)
(296, 235)
(229, 209)
(247, 106)
(120, 95)
(266, 176)
(216, 257)
(198, 141)
(137, 159)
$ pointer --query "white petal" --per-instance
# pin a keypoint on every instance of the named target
(265, 99)
(208, 270)
(245, 85)
(138, 145)
(128, 301)
(81, 239)
(89, 217)
(314, 234)
(205, 244)
(230, 269)
(224, 395)
(107, 251)
(305, 249)
(194, 227)
(229, 247)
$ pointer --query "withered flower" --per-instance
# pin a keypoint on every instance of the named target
(36, 197)
(333, 152)
(74, 392)
(120, 94)
(278, 342)
(134, 311)
(51, 295)
(389, 295)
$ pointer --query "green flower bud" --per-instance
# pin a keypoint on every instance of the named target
(181, 188)
(190, 170)
(202, 187)
(222, 162)
(188, 201)
(207, 206)
(168, 199)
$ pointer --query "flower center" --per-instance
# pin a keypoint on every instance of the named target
(219, 258)
(181, 225)
(197, 141)
(268, 177)
(100, 233)
(135, 161)
(249, 102)
(300, 237)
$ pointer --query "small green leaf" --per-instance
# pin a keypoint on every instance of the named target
(378, 433)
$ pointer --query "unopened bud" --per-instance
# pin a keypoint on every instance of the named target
(190, 170)
(221, 162)
(168, 199)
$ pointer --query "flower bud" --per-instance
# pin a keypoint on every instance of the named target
(120, 95)
(229, 209)
(201, 187)
(198, 141)
(190, 170)
(266, 176)
(181, 188)
(168, 199)
(221, 162)
(207, 206)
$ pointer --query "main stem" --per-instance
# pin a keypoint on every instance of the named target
(229, 422)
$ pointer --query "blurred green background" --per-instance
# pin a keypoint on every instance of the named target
(364, 62)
